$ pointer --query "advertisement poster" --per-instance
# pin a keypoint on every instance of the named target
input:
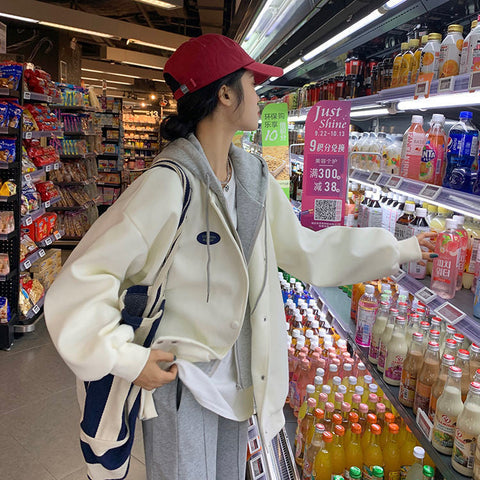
(275, 148)
(325, 169)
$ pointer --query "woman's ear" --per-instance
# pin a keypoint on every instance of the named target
(225, 96)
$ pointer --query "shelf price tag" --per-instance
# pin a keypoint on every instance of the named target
(49, 99)
(27, 264)
(373, 177)
(35, 309)
(325, 164)
(28, 221)
(425, 295)
(474, 81)
(57, 235)
(27, 95)
(426, 426)
(394, 181)
(41, 253)
(430, 191)
(28, 135)
(446, 85)
(450, 313)
(398, 276)
(27, 177)
(48, 241)
(422, 87)
(47, 203)
(56, 166)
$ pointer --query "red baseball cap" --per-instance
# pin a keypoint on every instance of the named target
(207, 58)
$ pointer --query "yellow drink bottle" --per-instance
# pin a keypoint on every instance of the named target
(389, 418)
(322, 467)
(371, 420)
(391, 454)
(337, 452)
(353, 451)
(372, 456)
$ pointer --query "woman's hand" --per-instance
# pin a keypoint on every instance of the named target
(152, 376)
(427, 240)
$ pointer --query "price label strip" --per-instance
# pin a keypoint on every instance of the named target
(48, 241)
(446, 85)
(41, 253)
(57, 235)
(450, 313)
(426, 426)
(27, 265)
(394, 182)
(431, 192)
(425, 295)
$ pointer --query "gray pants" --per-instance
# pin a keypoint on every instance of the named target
(192, 442)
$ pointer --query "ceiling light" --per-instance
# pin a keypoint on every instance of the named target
(160, 4)
(148, 44)
(108, 81)
(143, 65)
(16, 17)
(143, 104)
(393, 3)
(260, 17)
(108, 87)
(153, 96)
(292, 66)
(370, 113)
(75, 29)
(110, 73)
(464, 99)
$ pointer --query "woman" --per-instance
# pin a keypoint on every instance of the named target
(223, 317)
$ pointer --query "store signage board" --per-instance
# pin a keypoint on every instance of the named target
(425, 295)
(394, 181)
(446, 85)
(430, 191)
(450, 313)
(426, 426)
(325, 166)
(275, 145)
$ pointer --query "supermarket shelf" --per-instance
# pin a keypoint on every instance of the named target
(76, 108)
(31, 318)
(108, 155)
(89, 181)
(7, 92)
(10, 275)
(338, 305)
(39, 97)
(46, 242)
(4, 237)
(460, 202)
(9, 199)
(65, 242)
(85, 206)
(42, 134)
(8, 131)
(31, 259)
(32, 176)
(80, 155)
(82, 133)
(30, 218)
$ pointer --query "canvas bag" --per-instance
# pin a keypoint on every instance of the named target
(112, 405)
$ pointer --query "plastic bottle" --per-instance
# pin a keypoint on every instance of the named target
(372, 455)
(434, 151)
(472, 46)
(385, 338)
(413, 142)
(451, 52)
(397, 65)
(367, 309)
(396, 212)
(407, 60)
(426, 378)
(403, 226)
(465, 60)
(302, 431)
(473, 229)
(417, 56)
(462, 151)
(439, 385)
(377, 330)
(337, 452)
(431, 55)
(407, 458)
(444, 270)
(311, 451)
(449, 407)
(391, 453)
(373, 217)
(322, 467)
(396, 353)
(415, 472)
(411, 369)
(463, 361)
(466, 432)
(462, 233)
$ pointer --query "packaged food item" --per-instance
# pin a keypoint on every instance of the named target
(32, 196)
(10, 75)
(5, 315)
(47, 190)
(8, 189)
(7, 150)
(14, 114)
(24, 302)
(4, 264)
(7, 222)
(3, 114)
(27, 246)
(29, 123)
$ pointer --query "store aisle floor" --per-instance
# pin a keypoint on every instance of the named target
(39, 415)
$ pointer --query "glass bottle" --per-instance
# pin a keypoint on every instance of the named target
(463, 361)
(302, 431)
(397, 65)
(381, 320)
(311, 451)
(391, 453)
(396, 353)
(373, 454)
(428, 374)
(322, 467)
(385, 338)
(439, 385)
(354, 452)
(474, 359)
(337, 452)
(410, 371)
(366, 312)
(416, 470)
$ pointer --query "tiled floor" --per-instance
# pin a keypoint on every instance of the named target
(39, 415)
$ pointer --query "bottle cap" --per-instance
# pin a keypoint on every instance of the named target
(347, 367)
(368, 379)
(463, 354)
(474, 387)
(342, 389)
(466, 114)
(459, 337)
(318, 413)
(455, 372)
(369, 289)
(356, 398)
(428, 471)
(319, 428)
(337, 419)
(389, 417)
(393, 428)
(417, 337)
(363, 408)
(318, 380)
(438, 118)
(311, 403)
(421, 212)
(309, 333)
(460, 219)
(295, 333)
(361, 366)
(320, 372)
(353, 417)
(323, 397)
(327, 437)
(455, 28)
(305, 363)
(339, 430)
(337, 381)
(332, 367)
(326, 389)
(315, 355)
(414, 42)
(355, 472)
(451, 329)
(310, 388)
(404, 46)
(380, 407)
(417, 119)
(418, 452)
(450, 224)
(474, 348)
(433, 346)
(373, 388)
(359, 390)
(352, 380)
(448, 359)
(371, 418)
(373, 398)
(356, 428)
(346, 407)
(338, 397)
(409, 207)
(434, 334)
(435, 37)
(375, 429)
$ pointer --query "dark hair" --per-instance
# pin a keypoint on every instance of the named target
(195, 106)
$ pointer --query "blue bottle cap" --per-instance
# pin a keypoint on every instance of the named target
(466, 114)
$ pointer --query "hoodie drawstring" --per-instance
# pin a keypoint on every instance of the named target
(207, 221)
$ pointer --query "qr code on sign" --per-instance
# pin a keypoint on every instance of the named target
(328, 210)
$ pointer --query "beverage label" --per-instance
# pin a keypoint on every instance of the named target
(422, 396)
(299, 445)
(394, 369)
(427, 163)
(382, 355)
(404, 472)
(367, 472)
(449, 60)
(408, 384)
(374, 348)
(464, 449)
(394, 475)
(374, 217)
(473, 256)
(403, 231)
(410, 166)
(418, 269)
(462, 144)
(307, 468)
(365, 320)
(444, 430)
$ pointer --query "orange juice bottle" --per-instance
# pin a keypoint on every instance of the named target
(373, 454)
(352, 418)
(407, 457)
(337, 452)
(371, 420)
(353, 451)
(322, 467)
(391, 453)
(397, 65)
(389, 418)
(318, 415)
(406, 65)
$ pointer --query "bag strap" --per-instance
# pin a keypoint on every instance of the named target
(156, 289)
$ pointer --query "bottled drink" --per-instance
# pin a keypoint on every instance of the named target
(377, 330)
(407, 458)
(385, 339)
(337, 452)
(367, 309)
(355, 473)
(463, 235)
(462, 151)
(415, 472)
(451, 52)
(467, 51)
(411, 369)
(417, 59)
(431, 55)
(310, 393)
(322, 467)
(372, 455)
(428, 374)
(406, 65)
(311, 451)
(328, 419)
(434, 152)
(374, 212)
(449, 406)
(397, 65)
(403, 228)
(363, 209)
(354, 452)
(396, 353)
(377, 473)
(397, 210)
(413, 326)
(474, 359)
(444, 270)
(352, 418)
(389, 418)
(302, 431)
(437, 388)
(302, 382)
(463, 361)
(391, 453)
(413, 142)
(371, 420)
(466, 432)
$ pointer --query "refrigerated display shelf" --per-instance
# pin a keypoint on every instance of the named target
(337, 303)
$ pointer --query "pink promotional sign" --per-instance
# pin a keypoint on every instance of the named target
(325, 164)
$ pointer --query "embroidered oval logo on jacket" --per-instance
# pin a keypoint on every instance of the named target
(202, 238)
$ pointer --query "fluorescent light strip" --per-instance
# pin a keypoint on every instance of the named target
(108, 81)
(292, 66)
(158, 80)
(434, 202)
(258, 20)
(159, 4)
(391, 4)
(143, 65)
(369, 113)
(463, 99)
(75, 29)
(16, 17)
(148, 44)
(108, 88)
(110, 73)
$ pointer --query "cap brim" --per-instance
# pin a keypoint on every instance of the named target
(263, 72)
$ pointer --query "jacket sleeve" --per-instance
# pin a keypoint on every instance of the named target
(82, 306)
(336, 255)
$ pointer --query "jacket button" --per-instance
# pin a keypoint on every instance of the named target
(234, 325)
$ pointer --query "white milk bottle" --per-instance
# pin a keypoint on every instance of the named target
(396, 352)
(378, 328)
